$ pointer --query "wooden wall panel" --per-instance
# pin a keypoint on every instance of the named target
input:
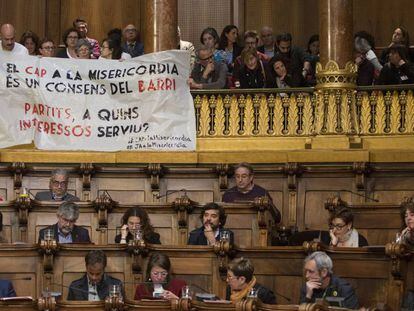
(24, 15)
(194, 16)
(299, 17)
(101, 15)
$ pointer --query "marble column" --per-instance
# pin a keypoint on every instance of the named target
(160, 25)
(336, 31)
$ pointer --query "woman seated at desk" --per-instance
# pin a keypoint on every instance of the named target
(135, 222)
(159, 283)
(407, 216)
(341, 230)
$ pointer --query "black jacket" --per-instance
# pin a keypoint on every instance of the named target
(264, 294)
(197, 236)
(336, 288)
(390, 74)
(78, 289)
(79, 234)
(152, 238)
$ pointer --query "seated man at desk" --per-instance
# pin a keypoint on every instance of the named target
(242, 283)
(213, 217)
(58, 186)
(65, 230)
(321, 283)
(95, 284)
(247, 191)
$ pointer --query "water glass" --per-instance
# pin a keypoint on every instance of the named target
(115, 291)
(186, 292)
(224, 236)
(49, 235)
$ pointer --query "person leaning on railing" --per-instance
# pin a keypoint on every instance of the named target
(398, 70)
(406, 236)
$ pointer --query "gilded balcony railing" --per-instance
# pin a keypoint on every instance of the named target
(301, 112)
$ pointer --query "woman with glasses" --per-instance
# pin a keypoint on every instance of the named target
(159, 283)
(111, 49)
(341, 230)
(47, 48)
(136, 221)
(70, 38)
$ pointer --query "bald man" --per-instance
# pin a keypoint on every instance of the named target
(131, 45)
(8, 43)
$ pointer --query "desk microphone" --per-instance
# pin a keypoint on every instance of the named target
(169, 193)
(28, 278)
(359, 194)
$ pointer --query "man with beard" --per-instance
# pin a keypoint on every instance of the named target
(213, 218)
(95, 284)
(8, 41)
(65, 230)
(247, 191)
(58, 186)
(321, 283)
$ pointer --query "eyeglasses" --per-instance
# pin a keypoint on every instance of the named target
(163, 273)
(67, 221)
(337, 227)
(230, 278)
(48, 48)
(207, 58)
(59, 183)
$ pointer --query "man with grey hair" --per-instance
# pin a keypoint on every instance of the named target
(65, 230)
(268, 40)
(8, 41)
(207, 73)
(321, 283)
(58, 186)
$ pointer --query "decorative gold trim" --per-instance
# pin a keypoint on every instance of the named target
(333, 77)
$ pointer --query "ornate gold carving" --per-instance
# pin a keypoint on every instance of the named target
(23, 205)
(17, 169)
(360, 169)
(307, 124)
(310, 247)
(197, 108)
(183, 206)
(395, 114)
(380, 117)
(256, 114)
(219, 117)
(204, 119)
(248, 117)
(285, 106)
(278, 116)
(410, 113)
(365, 118)
(333, 77)
(234, 117)
(226, 112)
(293, 116)
(212, 103)
(263, 116)
(137, 248)
(48, 249)
(271, 108)
(241, 115)
(403, 111)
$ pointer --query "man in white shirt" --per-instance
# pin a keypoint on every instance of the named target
(8, 42)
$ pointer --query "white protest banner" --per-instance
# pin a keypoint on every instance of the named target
(102, 105)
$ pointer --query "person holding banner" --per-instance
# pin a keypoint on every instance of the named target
(8, 41)
(47, 47)
(70, 38)
(83, 49)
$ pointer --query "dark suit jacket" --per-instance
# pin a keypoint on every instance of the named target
(79, 234)
(78, 289)
(336, 288)
(47, 196)
(152, 238)
(6, 289)
(136, 51)
(197, 236)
